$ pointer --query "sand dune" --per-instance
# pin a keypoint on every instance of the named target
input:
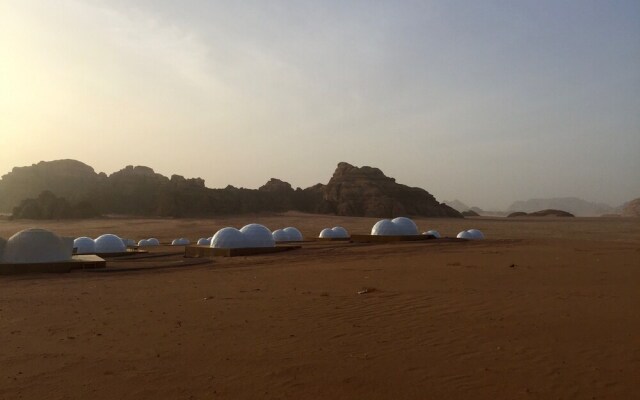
(542, 309)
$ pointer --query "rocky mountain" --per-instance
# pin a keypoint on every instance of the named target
(366, 191)
(467, 211)
(457, 205)
(631, 209)
(541, 213)
(71, 179)
(572, 205)
(470, 213)
(76, 188)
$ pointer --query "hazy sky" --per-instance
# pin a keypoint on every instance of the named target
(484, 101)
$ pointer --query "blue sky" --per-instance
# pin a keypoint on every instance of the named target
(488, 102)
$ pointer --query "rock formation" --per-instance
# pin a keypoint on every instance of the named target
(470, 213)
(464, 209)
(138, 190)
(367, 192)
(572, 205)
(541, 213)
(70, 179)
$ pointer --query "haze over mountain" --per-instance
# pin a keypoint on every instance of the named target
(486, 101)
(457, 205)
(631, 208)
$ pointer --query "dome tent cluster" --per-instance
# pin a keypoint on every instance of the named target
(42, 246)
(110, 243)
(337, 232)
(288, 234)
(395, 227)
(255, 235)
(149, 242)
(107, 243)
(249, 236)
(403, 226)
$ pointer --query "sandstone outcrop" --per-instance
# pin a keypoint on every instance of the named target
(139, 190)
(368, 192)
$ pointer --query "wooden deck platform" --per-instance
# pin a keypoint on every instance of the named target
(332, 239)
(129, 252)
(389, 239)
(206, 251)
(77, 262)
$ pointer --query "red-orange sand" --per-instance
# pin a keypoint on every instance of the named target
(542, 309)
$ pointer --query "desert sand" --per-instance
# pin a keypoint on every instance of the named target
(543, 309)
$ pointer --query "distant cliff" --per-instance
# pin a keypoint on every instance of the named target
(572, 205)
(140, 191)
(541, 213)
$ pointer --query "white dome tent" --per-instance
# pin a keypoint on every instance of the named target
(471, 234)
(326, 233)
(204, 242)
(36, 246)
(294, 234)
(384, 227)
(279, 235)
(109, 243)
(432, 232)
(288, 234)
(406, 225)
(340, 232)
(228, 238)
(249, 236)
(180, 242)
(400, 226)
(337, 232)
(476, 234)
(257, 235)
(149, 242)
(84, 245)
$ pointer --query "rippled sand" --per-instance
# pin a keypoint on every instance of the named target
(544, 308)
